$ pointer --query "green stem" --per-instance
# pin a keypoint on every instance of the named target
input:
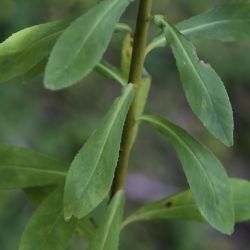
(135, 77)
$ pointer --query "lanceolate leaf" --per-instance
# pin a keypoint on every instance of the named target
(206, 176)
(28, 47)
(81, 46)
(91, 173)
(228, 22)
(47, 229)
(107, 235)
(20, 168)
(204, 89)
(182, 206)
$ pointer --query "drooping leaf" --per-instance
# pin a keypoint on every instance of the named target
(28, 47)
(91, 172)
(228, 22)
(206, 176)
(204, 89)
(182, 206)
(82, 45)
(20, 168)
(107, 235)
(47, 229)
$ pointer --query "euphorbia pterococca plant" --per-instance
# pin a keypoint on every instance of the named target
(65, 52)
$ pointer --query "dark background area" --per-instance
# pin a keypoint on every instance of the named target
(58, 123)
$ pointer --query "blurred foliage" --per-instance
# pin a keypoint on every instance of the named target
(58, 123)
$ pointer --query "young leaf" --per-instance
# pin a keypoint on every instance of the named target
(182, 206)
(28, 47)
(20, 168)
(107, 235)
(83, 43)
(91, 172)
(204, 89)
(206, 176)
(47, 229)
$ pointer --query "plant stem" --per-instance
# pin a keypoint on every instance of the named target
(135, 77)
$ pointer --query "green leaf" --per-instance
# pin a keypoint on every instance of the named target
(182, 206)
(206, 176)
(241, 194)
(228, 22)
(204, 89)
(111, 72)
(86, 227)
(82, 45)
(20, 168)
(47, 229)
(28, 47)
(107, 235)
(91, 172)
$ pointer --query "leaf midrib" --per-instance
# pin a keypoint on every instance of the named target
(110, 220)
(200, 79)
(109, 129)
(77, 52)
(23, 52)
(32, 169)
(192, 153)
(205, 25)
(154, 212)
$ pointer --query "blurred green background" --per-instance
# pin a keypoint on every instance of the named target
(58, 123)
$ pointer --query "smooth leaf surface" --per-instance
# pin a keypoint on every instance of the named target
(28, 47)
(47, 229)
(228, 22)
(82, 45)
(107, 235)
(91, 172)
(20, 168)
(204, 89)
(86, 227)
(206, 176)
(182, 206)
(111, 72)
